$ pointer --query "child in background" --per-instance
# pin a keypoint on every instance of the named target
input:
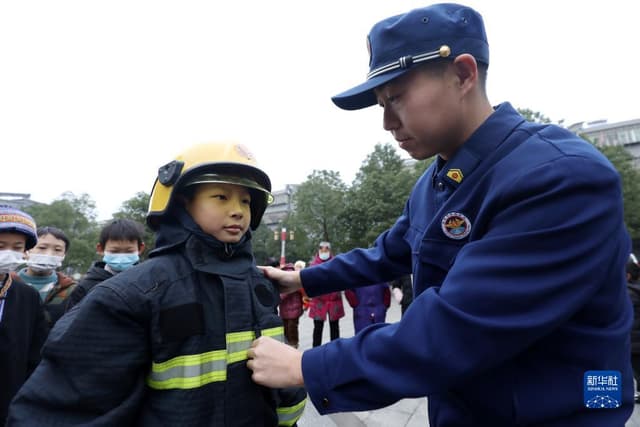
(369, 303)
(326, 305)
(120, 246)
(53, 286)
(290, 310)
(165, 342)
(23, 328)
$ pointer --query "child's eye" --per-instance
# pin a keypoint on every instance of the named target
(219, 196)
(246, 201)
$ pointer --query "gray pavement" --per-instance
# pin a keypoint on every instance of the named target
(405, 413)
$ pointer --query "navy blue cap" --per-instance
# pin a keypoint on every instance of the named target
(397, 43)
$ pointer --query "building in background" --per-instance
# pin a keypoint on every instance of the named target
(17, 200)
(601, 133)
(281, 207)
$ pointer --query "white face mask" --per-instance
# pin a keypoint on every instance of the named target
(324, 255)
(10, 260)
(43, 263)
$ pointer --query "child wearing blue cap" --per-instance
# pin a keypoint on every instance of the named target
(22, 322)
(516, 241)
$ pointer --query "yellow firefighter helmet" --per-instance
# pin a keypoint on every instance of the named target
(225, 162)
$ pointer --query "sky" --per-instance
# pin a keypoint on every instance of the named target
(96, 95)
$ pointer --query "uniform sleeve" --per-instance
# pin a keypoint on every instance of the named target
(554, 239)
(92, 369)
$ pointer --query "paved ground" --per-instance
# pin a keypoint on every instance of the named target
(405, 413)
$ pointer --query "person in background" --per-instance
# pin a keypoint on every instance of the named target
(633, 286)
(165, 343)
(297, 266)
(41, 273)
(120, 246)
(369, 303)
(290, 310)
(23, 328)
(516, 239)
(326, 305)
(402, 289)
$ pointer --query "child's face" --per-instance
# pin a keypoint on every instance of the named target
(13, 242)
(221, 210)
(49, 244)
(118, 247)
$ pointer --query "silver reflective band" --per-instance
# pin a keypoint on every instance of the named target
(407, 61)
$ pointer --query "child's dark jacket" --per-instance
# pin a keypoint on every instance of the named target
(170, 348)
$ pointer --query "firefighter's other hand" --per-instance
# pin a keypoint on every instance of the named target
(288, 281)
(275, 364)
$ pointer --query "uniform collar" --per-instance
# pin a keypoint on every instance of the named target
(483, 141)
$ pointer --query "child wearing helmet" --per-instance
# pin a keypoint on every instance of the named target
(165, 342)
(22, 323)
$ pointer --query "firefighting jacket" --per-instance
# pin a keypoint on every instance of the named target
(518, 246)
(164, 343)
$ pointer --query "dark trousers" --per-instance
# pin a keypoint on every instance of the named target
(635, 364)
(318, 325)
(291, 331)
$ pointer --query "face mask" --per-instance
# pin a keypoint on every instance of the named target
(43, 263)
(324, 255)
(120, 262)
(10, 260)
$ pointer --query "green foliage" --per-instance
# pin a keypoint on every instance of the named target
(377, 196)
(76, 217)
(320, 203)
(136, 209)
(533, 116)
(630, 176)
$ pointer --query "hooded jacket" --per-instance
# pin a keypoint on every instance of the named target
(95, 275)
(171, 346)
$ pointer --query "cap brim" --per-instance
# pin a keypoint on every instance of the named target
(362, 96)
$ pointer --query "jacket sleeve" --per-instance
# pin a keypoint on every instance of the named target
(291, 404)
(531, 271)
(39, 335)
(352, 297)
(386, 297)
(92, 369)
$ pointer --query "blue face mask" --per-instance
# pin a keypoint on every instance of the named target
(120, 262)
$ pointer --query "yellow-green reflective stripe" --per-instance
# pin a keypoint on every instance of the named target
(276, 333)
(189, 371)
(237, 345)
(196, 370)
(289, 415)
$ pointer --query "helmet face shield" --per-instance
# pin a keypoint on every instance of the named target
(228, 163)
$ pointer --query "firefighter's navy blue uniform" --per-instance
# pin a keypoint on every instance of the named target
(164, 343)
(517, 247)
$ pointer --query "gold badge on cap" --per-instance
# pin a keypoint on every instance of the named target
(455, 225)
(456, 175)
(244, 152)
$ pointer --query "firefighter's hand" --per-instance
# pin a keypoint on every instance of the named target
(275, 364)
(288, 281)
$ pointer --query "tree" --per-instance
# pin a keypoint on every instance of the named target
(320, 203)
(533, 116)
(623, 161)
(136, 209)
(377, 196)
(76, 217)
